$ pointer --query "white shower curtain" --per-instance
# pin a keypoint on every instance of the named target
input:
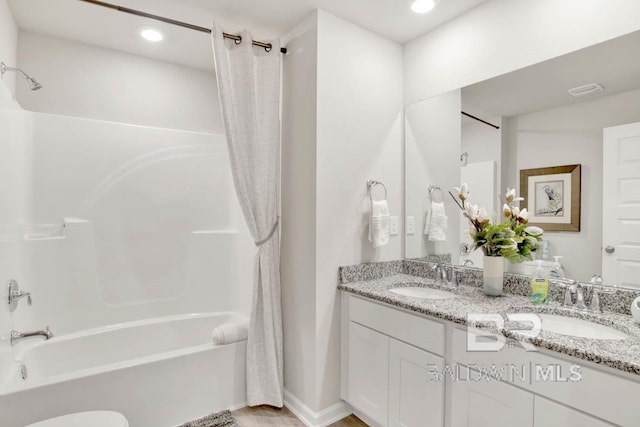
(249, 85)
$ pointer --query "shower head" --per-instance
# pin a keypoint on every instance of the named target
(33, 83)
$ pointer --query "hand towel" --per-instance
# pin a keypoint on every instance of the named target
(379, 223)
(436, 224)
(228, 333)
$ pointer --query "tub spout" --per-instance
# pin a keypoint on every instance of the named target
(19, 336)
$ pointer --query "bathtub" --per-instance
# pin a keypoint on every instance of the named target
(159, 373)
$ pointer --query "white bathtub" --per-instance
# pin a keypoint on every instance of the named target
(158, 373)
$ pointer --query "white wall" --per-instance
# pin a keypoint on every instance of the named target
(504, 35)
(87, 81)
(342, 126)
(8, 44)
(298, 248)
(572, 135)
(432, 152)
(359, 138)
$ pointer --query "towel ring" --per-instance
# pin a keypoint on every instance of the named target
(371, 184)
(436, 193)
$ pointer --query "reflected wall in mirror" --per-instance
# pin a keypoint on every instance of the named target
(538, 124)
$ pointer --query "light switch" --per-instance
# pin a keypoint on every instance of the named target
(411, 225)
(393, 225)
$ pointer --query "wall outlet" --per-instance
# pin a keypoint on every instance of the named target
(393, 225)
(411, 225)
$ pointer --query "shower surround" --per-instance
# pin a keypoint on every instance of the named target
(114, 227)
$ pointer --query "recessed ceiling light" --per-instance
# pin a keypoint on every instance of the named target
(423, 6)
(151, 35)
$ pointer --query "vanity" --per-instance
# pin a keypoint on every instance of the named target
(411, 358)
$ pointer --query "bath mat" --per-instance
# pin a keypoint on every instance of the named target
(219, 419)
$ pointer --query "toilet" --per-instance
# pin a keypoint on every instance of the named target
(85, 419)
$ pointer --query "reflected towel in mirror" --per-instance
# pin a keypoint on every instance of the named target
(436, 224)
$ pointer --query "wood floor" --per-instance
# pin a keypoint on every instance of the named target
(267, 416)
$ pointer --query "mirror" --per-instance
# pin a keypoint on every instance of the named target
(526, 120)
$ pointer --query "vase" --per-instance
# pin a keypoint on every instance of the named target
(492, 275)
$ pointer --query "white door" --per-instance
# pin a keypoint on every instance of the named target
(490, 403)
(369, 372)
(416, 393)
(549, 413)
(621, 205)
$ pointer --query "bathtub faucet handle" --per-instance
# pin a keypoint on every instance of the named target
(14, 294)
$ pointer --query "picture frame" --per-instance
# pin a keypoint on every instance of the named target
(552, 197)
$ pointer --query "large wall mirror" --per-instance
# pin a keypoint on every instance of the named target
(527, 120)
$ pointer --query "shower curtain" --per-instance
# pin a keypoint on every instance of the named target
(249, 85)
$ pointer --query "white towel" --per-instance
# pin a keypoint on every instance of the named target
(436, 224)
(228, 333)
(379, 223)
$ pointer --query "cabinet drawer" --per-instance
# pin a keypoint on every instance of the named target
(415, 330)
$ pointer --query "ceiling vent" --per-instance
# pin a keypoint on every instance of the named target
(586, 89)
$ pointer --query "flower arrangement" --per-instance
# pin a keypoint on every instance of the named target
(512, 239)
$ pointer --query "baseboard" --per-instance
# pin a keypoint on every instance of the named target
(316, 419)
(238, 406)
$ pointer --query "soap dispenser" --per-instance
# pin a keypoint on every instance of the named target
(539, 286)
(556, 272)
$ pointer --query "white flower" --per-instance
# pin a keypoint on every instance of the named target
(472, 212)
(511, 196)
(463, 191)
(483, 216)
(524, 215)
(506, 209)
(515, 211)
(534, 231)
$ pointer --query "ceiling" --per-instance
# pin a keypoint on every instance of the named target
(614, 64)
(75, 20)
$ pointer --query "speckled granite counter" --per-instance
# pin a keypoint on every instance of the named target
(618, 354)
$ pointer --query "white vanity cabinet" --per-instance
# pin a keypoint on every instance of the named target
(390, 359)
(369, 372)
(416, 399)
(387, 380)
(485, 403)
(549, 413)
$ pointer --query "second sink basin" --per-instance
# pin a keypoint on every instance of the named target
(574, 327)
(422, 292)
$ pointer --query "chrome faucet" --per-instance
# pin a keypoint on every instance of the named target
(19, 336)
(14, 294)
(579, 290)
(442, 275)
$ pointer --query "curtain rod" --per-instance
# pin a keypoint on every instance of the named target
(237, 38)
(480, 120)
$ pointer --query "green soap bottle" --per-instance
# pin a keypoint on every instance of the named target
(539, 286)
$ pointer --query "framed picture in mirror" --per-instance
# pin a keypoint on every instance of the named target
(552, 197)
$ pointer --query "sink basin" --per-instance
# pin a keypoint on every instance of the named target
(579, 328)
(422, 292)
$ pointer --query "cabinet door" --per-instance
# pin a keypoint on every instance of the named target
(369, 372)
(416, 396)
(549, 413)
(489, 403)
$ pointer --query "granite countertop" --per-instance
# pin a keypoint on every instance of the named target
(618, 354)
